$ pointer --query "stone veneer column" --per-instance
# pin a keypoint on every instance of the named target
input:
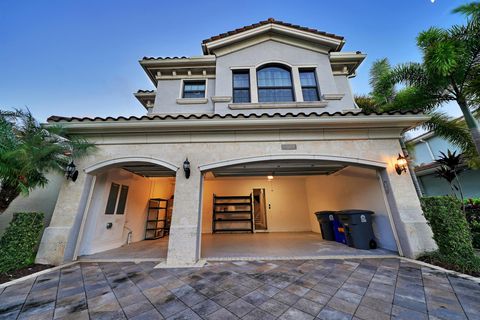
(415, 236)
(184, 238)
(58, 236)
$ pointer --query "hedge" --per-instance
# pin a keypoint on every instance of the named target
(450, 228)
(472, 212)
(19, 242)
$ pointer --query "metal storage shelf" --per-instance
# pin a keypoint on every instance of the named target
(158, 218)
(230, 209)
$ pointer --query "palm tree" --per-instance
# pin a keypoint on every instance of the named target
(450, 165)
(450, 71)
(28, 151)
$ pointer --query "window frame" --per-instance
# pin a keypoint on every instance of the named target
(186, 81)
(116, 200)
(248, 89)
(120, 201)
(111, 199)
(317, 90)
(291, 87)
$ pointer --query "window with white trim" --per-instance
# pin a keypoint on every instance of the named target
(194, 89)
(241, 86)
(117, 199)
(308, 80)
(275, 84)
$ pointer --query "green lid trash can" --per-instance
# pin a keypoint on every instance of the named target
(325, 219)
(358, 228)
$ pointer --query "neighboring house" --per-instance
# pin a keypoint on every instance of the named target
(266, 110)
(426, 149)
(39, 200)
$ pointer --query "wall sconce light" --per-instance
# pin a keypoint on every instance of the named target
(71, 171)
(401, 165)
(186, 168)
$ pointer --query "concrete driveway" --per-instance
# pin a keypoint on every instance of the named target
(296, 289)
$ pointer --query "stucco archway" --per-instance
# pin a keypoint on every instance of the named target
(99, 176)
(330, 162)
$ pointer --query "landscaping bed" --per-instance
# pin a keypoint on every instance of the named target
(25, 271)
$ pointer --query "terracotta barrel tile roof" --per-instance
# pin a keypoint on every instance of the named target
(268, 21)
(227, 116)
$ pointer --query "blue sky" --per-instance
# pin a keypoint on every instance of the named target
(81, 57)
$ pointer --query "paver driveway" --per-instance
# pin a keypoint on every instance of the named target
(296, 289)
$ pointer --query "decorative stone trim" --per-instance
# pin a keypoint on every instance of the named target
(263, 105)
(221, 99)
(192, 101)
(333, 96)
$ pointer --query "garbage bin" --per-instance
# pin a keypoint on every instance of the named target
(358, 228)
(325, 219)
(339, 230)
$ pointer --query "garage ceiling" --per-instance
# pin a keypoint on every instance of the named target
(279, 168)
(148, 170)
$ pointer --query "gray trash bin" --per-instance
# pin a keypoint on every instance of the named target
(358, 228)
(325, 219)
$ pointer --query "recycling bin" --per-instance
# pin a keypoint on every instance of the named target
(358, 228)
(339, 230)
(325, 219)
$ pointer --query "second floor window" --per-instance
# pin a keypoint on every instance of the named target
(274, 84)
(194, 89)
(308, 81)
(241, 86)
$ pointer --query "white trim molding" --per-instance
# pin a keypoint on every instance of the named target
(319, 157)
(333, 96)
(278, 105)
(122, 160)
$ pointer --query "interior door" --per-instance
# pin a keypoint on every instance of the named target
(259, 209)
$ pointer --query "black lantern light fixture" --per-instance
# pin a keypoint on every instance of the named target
(401, 165)
(71, 171)
(186, 168)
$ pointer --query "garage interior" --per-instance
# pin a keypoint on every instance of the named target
(284, 195)
(139, 230)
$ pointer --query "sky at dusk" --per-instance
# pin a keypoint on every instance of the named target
(80, 58)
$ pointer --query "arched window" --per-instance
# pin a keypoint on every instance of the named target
(274, 84)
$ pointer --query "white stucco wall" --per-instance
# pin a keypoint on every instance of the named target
(352, 188)
(168, 91)
(39, 200)
(251, 57)
(286, 196)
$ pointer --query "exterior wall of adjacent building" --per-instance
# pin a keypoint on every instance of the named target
(425, 152)
(204, 149)
(39, 200)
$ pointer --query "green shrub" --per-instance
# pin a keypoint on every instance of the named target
(450, 228)
(19, 242)
(472, 212)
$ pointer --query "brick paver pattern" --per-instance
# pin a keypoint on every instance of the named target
(295, 289)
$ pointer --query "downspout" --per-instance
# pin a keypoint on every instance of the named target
(416, 184)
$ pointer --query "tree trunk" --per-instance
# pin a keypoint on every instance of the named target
(471, 122)
(8, 193)
(418, 188)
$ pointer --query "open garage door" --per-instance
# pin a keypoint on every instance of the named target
(293, 190)
(129, 212)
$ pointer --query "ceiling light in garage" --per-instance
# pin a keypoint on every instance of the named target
(270, 177)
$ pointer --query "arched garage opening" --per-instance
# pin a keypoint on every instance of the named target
(283, 194)
(129, 210)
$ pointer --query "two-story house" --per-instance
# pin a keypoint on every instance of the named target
(238, 149)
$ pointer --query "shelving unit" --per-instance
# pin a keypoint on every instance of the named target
(157, 225)
(232, 214)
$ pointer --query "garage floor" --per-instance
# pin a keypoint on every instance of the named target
(277, 245)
